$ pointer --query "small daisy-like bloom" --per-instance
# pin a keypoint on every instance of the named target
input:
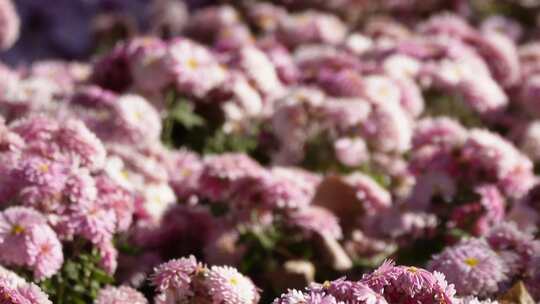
(148, 69)
(408, 283)
(46, 252)
(109, 256)
(9, 24)
(27, 240)
(42, 182)
(137, 119)
(157, 198)
(226, 285)
(381, 89)
(314, 219)
(16, 223)
(195, 69)
(473, 267)
(175, 276)
(120, 295)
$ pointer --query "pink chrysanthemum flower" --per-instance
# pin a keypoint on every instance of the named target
(147, 65)
(120, 295)
(138, 120)
(27, 240)
(194, 68)
(227, 285)
(175, 276)
(473, 267)
(41, 182)
(46, 252)
(93, 221)
(397, 283)
(14, 289)
(16, 223)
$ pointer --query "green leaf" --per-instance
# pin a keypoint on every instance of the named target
(183, 113)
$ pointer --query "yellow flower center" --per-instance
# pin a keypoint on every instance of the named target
(44, 168)
(471, 261)
(17, 229)
(192, 63)
(412, 269)
(234, 281)
(125, 174)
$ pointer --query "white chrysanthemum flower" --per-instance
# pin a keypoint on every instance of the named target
(227, 285)
(157, 198)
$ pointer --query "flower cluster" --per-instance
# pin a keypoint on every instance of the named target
(185, 280)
